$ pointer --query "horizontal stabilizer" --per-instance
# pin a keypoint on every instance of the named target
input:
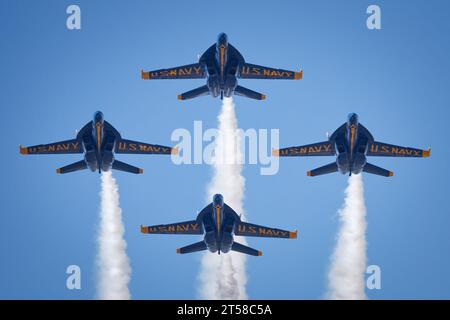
(122, 166)
(244, 249)
(200, 91)
(80, 165)
(370, 168)
(244, 92)
(329, 168)
(198, 246)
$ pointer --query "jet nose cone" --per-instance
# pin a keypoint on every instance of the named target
(222, 38)
(98, 116)
(353, 118)
(218, 199)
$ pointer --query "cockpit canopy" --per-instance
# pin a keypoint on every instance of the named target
(352, 120)
(218, 200)
(98, 117)
(222, 39)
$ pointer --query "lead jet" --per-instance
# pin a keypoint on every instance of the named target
(222, 64)
(351, 143)
(218, 222)
(99, 141)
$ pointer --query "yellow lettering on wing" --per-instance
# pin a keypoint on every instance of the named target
(152, 229)
(385, 149)
(256, 71)
(185, 71)
(75, 146)
(122, 146)
(198, 70)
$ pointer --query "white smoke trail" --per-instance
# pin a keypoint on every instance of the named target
(113, 263)
(348, 263)
(224, 276)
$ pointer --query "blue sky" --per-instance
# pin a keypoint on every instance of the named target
(53, 79)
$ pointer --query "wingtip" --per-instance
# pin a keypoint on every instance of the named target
(180, 97)
(174, 150)
(143, 229)
(426, 153)
(58, 170)
(263, 97)
(298, 75)
(23, 150)
(141, 170)
(179, 251)
(293, 234)
(145, 75)
(308, 173)
(259, 253)
(391, 174)
(276, 152)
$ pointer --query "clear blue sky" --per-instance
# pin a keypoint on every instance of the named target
(53, 79)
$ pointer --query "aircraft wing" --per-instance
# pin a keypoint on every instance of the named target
(253, 71)
(186, 227)
(325, 148)
(136, 147)
(381, 149)
(254, 230)
(190, 71)
(61, 147)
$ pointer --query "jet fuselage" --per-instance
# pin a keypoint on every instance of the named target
(351, 146)
(219, 226)
(222, 62)
(98, 145)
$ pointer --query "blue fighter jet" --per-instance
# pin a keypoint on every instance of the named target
(222, 64)
(98, 140)
(218, 222)
(351, 143)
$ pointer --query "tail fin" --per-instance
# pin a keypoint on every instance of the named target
(80, 165)
(198, 246)
(244, 92)
(122, 166)
(370, 168)
(244, 249)
(200, 91)
(329, 168)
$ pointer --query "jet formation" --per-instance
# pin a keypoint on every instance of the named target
(218, 222)
(351, 143)
(99, 141)
(221, 64)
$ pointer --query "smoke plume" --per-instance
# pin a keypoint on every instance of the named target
(348, 263)
(113, 264)
(224, 276)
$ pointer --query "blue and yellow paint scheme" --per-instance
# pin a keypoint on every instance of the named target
(99, 141)
(218, 222)
(222, 64)
(351, 143)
